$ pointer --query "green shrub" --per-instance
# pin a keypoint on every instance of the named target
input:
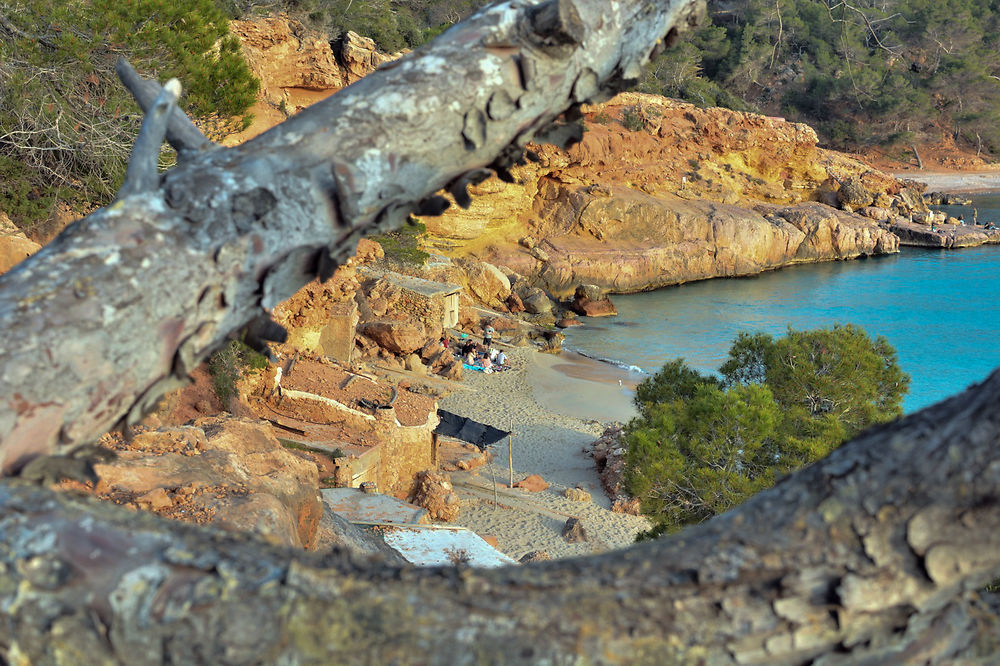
(403, 245)
(601, 118)
(231, 363)
(632, 119)
(66, 121)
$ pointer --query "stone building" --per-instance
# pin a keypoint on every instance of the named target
(434, 304)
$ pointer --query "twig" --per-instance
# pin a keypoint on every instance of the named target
(141, 175)
(182, 134)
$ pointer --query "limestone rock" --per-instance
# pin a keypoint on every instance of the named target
(398, 337)
(433, 491)
(536, 302)
(336, 532)
(577, 495)
(533, 483)
(14, 245)
(535, 556)
(359, 56)
(574, 532)
(226, 471)
(486, 282)
(589, 301)
(853, 193)
(414, 364)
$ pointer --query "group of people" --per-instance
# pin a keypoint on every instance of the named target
(485, 356)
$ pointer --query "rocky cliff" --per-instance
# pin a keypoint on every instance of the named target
(658, 192)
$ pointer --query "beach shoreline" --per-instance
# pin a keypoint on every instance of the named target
(956, 182)
(550, 432)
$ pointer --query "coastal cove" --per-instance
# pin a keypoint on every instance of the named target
(936, 307)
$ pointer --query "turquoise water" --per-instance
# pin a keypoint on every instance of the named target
(939, 309)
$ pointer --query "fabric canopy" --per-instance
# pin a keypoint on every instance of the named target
(467, 430)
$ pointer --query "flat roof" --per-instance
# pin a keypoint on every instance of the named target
(415, 284)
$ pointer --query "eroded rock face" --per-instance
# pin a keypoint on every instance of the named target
(676, 201)
(486, 282)
(14, 245)
(630, 241)
(225, 471)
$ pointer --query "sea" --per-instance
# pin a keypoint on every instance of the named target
(940, 309)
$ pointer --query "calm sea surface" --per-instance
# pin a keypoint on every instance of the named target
(939, 309)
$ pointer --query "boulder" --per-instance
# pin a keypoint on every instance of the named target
(452, 370)
(627, 505)
(431, 350)
(535, 556)
(573, 531)
(533, 483)
(514, 303)
(577, 494)
(433, 491)
(486, 282)
(567, 322)
(398, 337)
(587, 307)
(414, 364)
(535, 301)
(853, 193)
(335, 532)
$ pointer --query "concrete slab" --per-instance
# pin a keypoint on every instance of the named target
(360, 507)
(432, 546)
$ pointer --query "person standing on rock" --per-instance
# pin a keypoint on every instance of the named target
(488, 336)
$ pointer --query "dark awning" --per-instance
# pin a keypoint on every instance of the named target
(467, 430)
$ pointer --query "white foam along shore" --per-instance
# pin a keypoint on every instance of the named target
(553, 416)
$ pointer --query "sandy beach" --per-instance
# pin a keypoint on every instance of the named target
(964, 182)
(553, 416)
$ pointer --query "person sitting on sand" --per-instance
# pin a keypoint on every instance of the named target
(501, 359)
(470, 357)
(469, 347)
(487, 364)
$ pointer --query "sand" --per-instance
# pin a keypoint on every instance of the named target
(964, 182)
(553, 415)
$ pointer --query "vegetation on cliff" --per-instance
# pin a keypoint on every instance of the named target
(866, 72)
(67, 124)
(702, 444)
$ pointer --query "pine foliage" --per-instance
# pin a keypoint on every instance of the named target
(67, 124)
(702, 445)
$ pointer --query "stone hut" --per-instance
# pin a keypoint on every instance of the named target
(434, 304)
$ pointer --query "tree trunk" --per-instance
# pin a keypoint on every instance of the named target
(873, 555)
(124, 304)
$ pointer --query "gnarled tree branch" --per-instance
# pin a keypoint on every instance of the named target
(117, 310)
(872, 555)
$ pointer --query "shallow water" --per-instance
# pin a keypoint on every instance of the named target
(938, 308)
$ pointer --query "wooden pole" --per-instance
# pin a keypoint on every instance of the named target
(510, 452)
(494, 475)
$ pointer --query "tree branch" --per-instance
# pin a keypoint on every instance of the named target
(122, 306)
(873, 555)
(182, 134)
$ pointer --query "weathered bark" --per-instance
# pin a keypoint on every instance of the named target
(870, 556)
(120, 307)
